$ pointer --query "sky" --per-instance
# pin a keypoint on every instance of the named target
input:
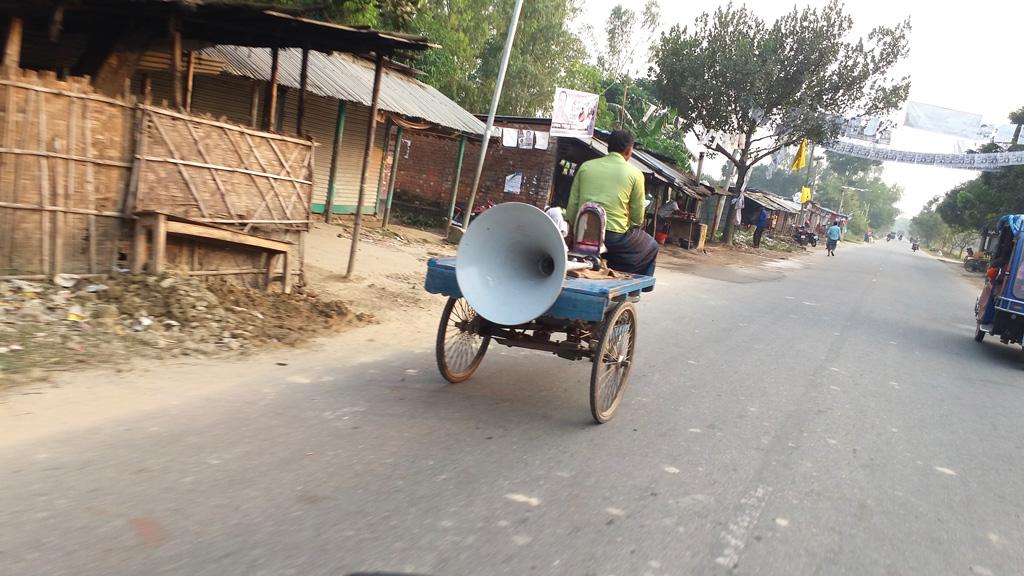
(962, 56)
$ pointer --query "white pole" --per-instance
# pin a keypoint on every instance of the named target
(494, 108)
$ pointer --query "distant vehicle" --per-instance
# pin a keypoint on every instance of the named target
(999, 310)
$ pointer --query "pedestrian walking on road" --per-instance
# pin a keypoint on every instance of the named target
(834, 233)
(759, 225)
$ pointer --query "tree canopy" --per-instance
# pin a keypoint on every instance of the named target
(844, 184)
(775, 84)
(385, 14)
(979, 203)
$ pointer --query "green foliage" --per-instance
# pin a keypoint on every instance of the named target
(625, 33)
(656, 129)
(856, 185)
(461, 27)
(783, 181)
(979, 203)
(843, 184)
(384, 14)
(546, 52)
(929, 225)
(417, 219)
(775, 84)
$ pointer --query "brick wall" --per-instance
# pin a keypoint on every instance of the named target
(427, 166)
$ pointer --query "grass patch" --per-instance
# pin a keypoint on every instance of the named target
(417, 219)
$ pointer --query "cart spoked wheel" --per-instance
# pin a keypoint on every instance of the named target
(979, 334)
(461, 341)
(612, 361)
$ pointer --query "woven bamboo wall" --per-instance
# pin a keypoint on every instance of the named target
(75, 166)
(64, 168)
(212, 171)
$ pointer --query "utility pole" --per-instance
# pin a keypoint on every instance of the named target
(467, 219)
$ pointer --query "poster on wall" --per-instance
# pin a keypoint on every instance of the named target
(514, 183)
(526, 139)
(573, 113)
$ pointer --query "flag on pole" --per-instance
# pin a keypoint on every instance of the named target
(805, 194)
(801, 159)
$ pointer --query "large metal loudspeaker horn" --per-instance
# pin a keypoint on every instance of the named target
(511, 263)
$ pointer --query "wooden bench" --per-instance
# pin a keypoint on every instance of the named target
(160, 224)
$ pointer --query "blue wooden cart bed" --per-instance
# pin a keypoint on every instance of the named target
(591, 319)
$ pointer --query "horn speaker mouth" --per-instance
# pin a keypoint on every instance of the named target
(511, 263)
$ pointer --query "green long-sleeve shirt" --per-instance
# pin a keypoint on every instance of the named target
(614, 184)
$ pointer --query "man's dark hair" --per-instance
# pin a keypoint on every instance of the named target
(620, 141)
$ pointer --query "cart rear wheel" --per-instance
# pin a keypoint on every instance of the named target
(979, 334)
(612, 361)
(971, 265)
(460, 344)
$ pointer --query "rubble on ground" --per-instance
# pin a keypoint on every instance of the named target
(177, 315)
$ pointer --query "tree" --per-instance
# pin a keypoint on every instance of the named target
(546, 52)
(783, 182)
(774, 85)
(625, 32)
(854, 186)
(928, 224)
(461, 27)
(979, 203)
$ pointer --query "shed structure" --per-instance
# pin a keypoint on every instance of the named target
(80, 156)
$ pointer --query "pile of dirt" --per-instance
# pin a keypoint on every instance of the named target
(176, 315)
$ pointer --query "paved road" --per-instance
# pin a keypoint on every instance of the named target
(833, 417)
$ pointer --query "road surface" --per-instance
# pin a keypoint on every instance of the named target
(830, 416)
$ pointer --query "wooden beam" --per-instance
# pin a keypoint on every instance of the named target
(190, 78)
(394, 176)
(254, 105)
(176, 72)
(371, 131)
(159, 244)
(12, 51)
(270, 97)
(211, 233)
(303, 80)
(339, 131)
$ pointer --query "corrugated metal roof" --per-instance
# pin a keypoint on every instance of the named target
(675, 177)
(602, 148)
(772, 202)
(347, 77)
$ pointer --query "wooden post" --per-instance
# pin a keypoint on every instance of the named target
(176, 64)
(139, 245)
(455, 184)
(339, 131)
(270, 99)
(90, 187)
(190, 77)
(254, 107)
(159, 245)
(12, 51)
(371, 131)
(303, 79)
(282, 99)
(383, 159)
(44, 189)
(394, 175)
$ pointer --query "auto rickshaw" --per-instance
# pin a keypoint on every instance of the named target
(999, 310)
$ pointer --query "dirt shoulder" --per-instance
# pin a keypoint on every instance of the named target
(125, 323)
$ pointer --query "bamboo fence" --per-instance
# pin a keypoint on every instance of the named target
(75, 166)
